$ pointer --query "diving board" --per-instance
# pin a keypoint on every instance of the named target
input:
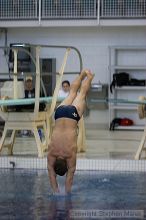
(24, 120)
(37, 119)
(13, 102)
(29, 120)
(142, 114)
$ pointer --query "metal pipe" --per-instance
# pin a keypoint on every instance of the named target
(15, 90)
(98, 12)
(40, 12)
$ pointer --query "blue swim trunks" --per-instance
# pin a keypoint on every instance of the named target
(67, 111)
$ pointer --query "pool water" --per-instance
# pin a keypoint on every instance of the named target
(26, 195)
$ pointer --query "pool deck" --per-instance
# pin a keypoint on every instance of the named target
(100, 144)
(106, 150)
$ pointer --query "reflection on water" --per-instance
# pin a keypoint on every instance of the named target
(27, 194)
(60, 208)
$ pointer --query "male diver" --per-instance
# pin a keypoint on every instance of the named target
(63, 145)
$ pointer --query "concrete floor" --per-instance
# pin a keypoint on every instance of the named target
(101, 144)
(105, 144)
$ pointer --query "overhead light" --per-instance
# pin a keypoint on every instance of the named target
(19, 45)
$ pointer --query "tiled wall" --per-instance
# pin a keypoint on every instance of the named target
(82, 164)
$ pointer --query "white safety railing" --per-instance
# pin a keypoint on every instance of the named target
(123, 8)
(71, 9)
(18, 9)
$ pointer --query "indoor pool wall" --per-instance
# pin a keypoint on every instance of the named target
(82, 164)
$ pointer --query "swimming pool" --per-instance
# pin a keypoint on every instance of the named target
(26, 194)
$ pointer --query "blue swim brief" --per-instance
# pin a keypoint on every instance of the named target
(67, 111)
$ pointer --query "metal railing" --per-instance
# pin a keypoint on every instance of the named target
(18, 9)
(71, 9)
(123, 8)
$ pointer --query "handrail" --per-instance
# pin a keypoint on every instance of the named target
(6, 48)
(63, 47)
(45, 46)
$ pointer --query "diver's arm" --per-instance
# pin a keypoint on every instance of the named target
(52, 174)
(70, 173)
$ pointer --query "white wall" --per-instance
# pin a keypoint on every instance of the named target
(92, 42)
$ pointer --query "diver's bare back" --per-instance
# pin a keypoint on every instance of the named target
(64, 138)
